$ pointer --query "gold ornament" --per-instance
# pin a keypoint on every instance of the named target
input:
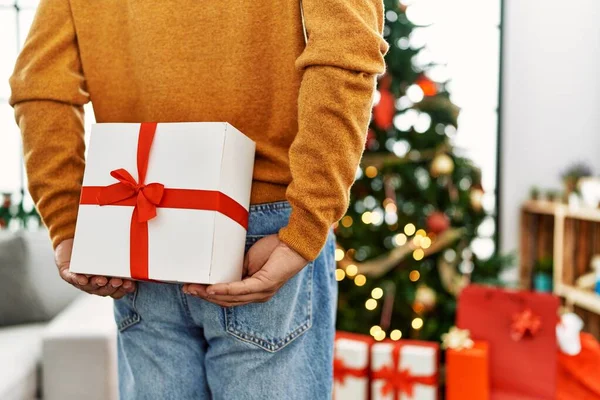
(476, 197)
(425, 298)
(441, 165)
(457, 339)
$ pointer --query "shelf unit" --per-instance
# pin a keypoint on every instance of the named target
(571, 236)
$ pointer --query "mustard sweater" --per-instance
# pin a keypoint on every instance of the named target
(245, 62)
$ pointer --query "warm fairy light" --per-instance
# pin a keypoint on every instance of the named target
(371, 171)
(339, 274)
(351, 270)
(396, 334)
(417, 323)
(347, 221)
(425, 242)
(379, 335)
(367, 217)
(391, 208)
(339, 254)
(360, 280)
(418, 254)
(374, 329)
(414, 275)
(417, 240)
(400, 239)
(371, 304)
(409, 229)
(421, 232)
(350, 253)
(377, 293)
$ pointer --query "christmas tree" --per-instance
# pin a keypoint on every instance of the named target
(404, 245)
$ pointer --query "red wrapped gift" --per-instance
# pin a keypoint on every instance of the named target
(351, 366)
(467, 373)
(520, 329)
(405, 369)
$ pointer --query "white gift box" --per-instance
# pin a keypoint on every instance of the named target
(414, 373)
(208, 160)
(351, 366)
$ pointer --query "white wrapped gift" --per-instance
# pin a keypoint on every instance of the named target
(351, 366)
(404, 370)
(166, 202)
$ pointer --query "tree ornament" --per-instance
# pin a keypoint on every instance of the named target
(476, 198)
(441, 165)
(383, 112)
(437, 222)
(425, 298)
(428, 86)
(371, 139)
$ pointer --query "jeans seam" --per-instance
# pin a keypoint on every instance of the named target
(186, 306)
(134, 318)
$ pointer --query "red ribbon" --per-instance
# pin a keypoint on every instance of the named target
(525, 323)
(341, 371)
(400, 381)
(146, 198)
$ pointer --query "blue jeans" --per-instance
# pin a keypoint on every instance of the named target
(175, 346)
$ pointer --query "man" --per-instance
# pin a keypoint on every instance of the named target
(307, 106)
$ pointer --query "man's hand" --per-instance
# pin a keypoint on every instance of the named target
(268, 265)
(98, 285)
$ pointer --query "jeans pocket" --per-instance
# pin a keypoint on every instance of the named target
(276, 323)
(125, 311)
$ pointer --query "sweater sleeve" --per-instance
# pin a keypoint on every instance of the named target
(48, 94)
(341, 61)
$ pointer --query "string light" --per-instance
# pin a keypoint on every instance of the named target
(377, 293)
(371, 304)
(371, 171)
(400, 239)
(360, 280)
(409, 229)
(339, 254)
(396, 334)
(347, 221)
(417, 240)
(417, 323)
(339, 274)
(391, 208)
(367, 217)
(425, 242)
(374, 329)
(418, 254)
(379, 335)
(351, 270)
(414, 275)
(421, 232)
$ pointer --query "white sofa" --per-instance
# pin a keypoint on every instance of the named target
(71, 357)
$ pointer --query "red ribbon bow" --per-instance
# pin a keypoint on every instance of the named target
(400, 381)
(525, 323)
(146, 198)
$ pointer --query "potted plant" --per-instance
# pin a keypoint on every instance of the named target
(534, 193)
(542, 274)
(573, 174)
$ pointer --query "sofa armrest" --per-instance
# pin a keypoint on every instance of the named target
(79, 352)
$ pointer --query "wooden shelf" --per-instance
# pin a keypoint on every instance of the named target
(585, 299)
(559, 209)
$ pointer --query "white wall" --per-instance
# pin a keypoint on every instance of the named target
(551, 98)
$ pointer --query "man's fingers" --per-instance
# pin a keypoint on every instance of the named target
(119, 293)
(200, 291)
(246, 286)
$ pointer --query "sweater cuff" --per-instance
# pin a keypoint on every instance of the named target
(61, 226)
(305, 234)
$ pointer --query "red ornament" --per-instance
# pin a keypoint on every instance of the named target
(371, 138)
(437, 222)
(525, 323)
(428, 86)
(383, 112)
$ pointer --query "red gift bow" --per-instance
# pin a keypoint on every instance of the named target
(145, 198)
(400, 381)
(525, 323)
